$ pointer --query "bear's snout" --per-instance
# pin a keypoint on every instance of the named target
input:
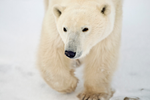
(70, 54)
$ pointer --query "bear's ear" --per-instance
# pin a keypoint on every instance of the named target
(57, 11)
(105, 9)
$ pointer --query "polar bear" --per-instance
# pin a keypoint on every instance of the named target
(81, 31)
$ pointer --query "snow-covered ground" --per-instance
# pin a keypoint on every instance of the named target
(20, 26)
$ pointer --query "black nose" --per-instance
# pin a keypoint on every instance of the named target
(70, 54)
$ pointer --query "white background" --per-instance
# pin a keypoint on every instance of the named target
(20, 27)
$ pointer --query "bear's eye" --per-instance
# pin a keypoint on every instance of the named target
(103, 10)
(65, 30)
(85, 30)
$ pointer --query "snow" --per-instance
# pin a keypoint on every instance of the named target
(20, 27)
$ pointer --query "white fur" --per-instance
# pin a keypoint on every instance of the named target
(98, 48)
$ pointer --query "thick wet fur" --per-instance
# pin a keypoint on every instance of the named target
(90, 32)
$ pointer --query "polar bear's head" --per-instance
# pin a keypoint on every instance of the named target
(83, 26)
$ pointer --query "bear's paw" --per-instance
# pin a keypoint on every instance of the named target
(94, 96)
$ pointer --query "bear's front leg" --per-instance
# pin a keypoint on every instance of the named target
(55, 69)
(99, 68)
